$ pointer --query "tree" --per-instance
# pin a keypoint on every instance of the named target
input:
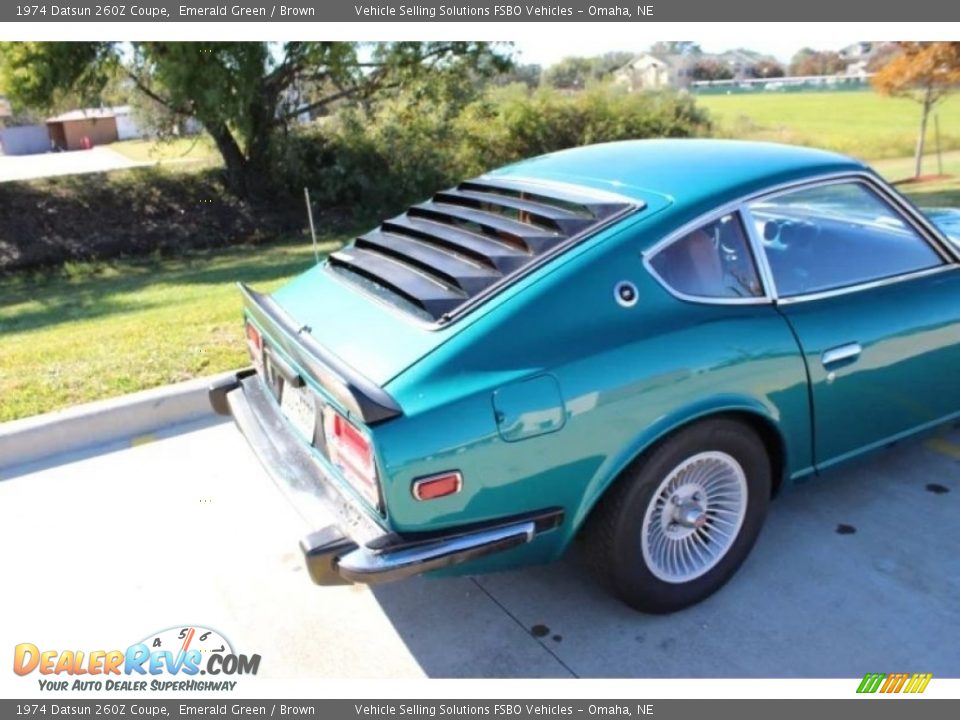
(765, 69)
(925, 72)
(610, 62)
(710, 70)
(808, 61)
(575, 73)
(677, 47)
(881, 55)
(526, 74)
(244, 93)
(571, 73)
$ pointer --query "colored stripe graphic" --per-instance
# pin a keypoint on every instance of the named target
(919, 683)
(871, 682)
(896, 686)
(894, 683)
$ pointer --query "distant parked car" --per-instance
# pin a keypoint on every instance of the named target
(636, 342)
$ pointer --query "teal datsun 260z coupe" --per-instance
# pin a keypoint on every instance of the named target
(636, 342)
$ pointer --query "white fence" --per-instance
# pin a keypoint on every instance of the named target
(788, 84)
(24, 140)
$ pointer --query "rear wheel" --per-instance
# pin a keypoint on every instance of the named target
(682, 519)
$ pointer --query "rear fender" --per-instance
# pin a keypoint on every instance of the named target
(662, 428)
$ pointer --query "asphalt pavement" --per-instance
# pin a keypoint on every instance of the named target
(75, 162)
(857, 571)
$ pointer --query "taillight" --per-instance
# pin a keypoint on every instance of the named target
(255, 342)
(437, 486)
(350, 450)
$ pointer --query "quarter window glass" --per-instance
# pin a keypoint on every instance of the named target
(834, 236)
(713, 261)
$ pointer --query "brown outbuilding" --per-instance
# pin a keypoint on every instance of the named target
(82, 129)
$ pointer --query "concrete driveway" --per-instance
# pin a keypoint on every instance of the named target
(187, 529)
(28, 167)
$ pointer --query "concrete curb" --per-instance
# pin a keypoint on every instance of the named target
(104, 421)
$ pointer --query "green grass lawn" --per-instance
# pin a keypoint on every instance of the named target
(936, 193)
(902, 168)
(92, 331)
(198, 149)
(864, 124)
(945, 193)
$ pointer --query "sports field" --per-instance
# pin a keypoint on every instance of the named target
(864, 124)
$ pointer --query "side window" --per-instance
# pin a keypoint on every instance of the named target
(713, 261)
(834, 236)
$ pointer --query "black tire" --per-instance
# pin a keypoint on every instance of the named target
(613, 533)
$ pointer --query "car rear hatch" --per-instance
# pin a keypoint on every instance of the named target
(384, 301)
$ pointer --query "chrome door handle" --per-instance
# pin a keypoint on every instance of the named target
(841, 353)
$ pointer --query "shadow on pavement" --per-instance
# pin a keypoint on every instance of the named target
(856, 571)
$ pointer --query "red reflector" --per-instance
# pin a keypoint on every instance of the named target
(254, 338)
(437, 486)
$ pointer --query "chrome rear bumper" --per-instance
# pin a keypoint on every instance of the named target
(349, 545)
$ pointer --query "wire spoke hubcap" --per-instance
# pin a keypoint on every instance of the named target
(694, 517)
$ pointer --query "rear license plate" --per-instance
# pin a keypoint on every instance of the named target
(296, 404)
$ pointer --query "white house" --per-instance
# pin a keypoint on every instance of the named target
(646, 72)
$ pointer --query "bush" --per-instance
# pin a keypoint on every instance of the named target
(378, 161)
(56, 220)
(509, 125)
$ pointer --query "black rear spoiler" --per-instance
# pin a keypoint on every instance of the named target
(357, 393)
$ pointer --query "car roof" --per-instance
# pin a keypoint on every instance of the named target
(684, 171)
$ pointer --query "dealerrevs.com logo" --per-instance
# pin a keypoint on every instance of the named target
(172, 659)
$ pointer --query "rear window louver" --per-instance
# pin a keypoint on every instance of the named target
(463, 242)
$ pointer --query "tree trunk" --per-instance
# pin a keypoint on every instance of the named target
(260, 182)
(249, 174)
(921, 139)
(234, 161)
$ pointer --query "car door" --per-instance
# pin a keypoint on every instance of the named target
(874, 302)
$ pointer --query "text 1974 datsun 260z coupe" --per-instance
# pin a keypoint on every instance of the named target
(640, 341)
